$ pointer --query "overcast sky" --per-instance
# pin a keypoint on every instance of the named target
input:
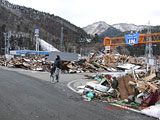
(85, 12)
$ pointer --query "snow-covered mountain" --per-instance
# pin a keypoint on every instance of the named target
(101, 27)
(96, 28)
(128, 27)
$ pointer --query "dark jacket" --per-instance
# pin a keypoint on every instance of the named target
(58, 63)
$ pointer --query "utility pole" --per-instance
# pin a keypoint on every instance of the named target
(74, 49)
(5, 43)
(148, 48)
(81, 51)
(62, 41)
(7, 37)
(8, 42)
(150, 55)
(37, 39)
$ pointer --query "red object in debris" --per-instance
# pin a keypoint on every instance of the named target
(152, 98)
(108, 76)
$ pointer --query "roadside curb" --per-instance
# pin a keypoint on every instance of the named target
(131, 109)
(71, 88)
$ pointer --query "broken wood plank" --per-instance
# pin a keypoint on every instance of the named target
(149, 77)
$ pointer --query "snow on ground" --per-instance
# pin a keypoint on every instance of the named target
(46, 46)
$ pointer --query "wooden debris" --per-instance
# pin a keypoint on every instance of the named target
(142, 86)
(124, 88)
(153, 87)
(149, 77)
(35, 64)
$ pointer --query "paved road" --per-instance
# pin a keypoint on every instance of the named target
(27, 98)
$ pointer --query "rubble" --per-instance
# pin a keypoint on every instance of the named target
(125, 81)
(96, 63)
(36, 64)
(124, 88)
(130, 90)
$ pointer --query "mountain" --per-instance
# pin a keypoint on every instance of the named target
(116, 30)
(123, 27)
(103, 29)
(96, 28)
(110, 32)
(21, 23)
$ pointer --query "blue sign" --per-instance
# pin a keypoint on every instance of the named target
(132, 38)
(37, 31)
(40, 52)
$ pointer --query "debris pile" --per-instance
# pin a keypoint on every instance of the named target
(35, 64)
(123, 86)
(140, 89)
(96, 63)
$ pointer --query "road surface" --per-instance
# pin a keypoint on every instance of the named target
(27, 98)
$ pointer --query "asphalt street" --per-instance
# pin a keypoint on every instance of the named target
(23, 97)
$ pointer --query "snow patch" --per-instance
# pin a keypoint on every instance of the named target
(46, 46)
(128, 27)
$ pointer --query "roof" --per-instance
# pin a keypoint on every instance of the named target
(28, 51)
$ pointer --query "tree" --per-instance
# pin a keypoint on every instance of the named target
(3, 28)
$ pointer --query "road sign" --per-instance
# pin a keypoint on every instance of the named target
(107, 47)
(132, 38)
(37, 31)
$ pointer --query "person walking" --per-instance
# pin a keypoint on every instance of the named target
(55, 70)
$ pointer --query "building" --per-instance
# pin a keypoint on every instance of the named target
(63, 55)
(28, 53)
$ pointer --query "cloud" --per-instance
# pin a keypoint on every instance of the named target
(84, 12)
(154, 13)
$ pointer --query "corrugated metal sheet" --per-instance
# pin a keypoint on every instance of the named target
(63, 55)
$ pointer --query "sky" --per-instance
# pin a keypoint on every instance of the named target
(85, 12)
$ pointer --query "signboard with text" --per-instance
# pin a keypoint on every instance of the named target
(37, 31)
(132, 38)
(107, 47)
